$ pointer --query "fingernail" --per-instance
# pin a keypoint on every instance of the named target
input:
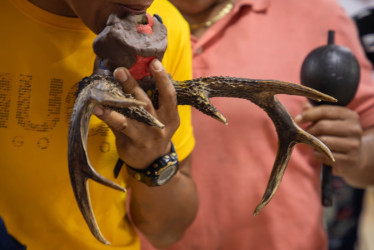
(120, 74)
(98, 111)
(156, 65)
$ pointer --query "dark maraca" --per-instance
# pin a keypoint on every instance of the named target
(333, 70)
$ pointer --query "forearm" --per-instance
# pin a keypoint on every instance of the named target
(163, 213)
(364, 175)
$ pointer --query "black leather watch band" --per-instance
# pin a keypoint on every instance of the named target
(159, 172)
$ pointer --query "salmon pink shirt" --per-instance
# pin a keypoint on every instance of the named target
(265, 39)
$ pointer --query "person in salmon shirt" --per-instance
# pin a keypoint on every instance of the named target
(269, 39)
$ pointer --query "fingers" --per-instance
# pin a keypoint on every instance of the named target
(313, 114)
(119, 123)
(167, 96)
(114, 120)
(136, 142)
(343, 128)
(331, 120)
(344, 163)
(345, 149)
(341, 144)
(130, 85)
(167, 100)
(340, 129)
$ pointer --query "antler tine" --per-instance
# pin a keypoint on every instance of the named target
(289, 134)
(262, 93)
(218, 86)
(80, 169)
(197, 92)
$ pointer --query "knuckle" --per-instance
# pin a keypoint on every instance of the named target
(129, 87)
(103, 116)
(355, 115)
(147, 105)
(121, 127)
(163, 78)
(321, 126)
(357, 130)
(355, 145)
(171, 96)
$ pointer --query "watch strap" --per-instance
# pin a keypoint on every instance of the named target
(152, 175)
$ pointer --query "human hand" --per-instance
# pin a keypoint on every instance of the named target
(340, 129)
(137, 143)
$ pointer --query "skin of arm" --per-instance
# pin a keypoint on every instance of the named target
(352, 146)
(161, 213)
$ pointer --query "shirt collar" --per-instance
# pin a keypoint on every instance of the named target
(258, 6)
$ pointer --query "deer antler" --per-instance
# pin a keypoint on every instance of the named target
(105, 90)
(195, 93)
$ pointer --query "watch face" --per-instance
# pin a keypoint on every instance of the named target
(166, 174)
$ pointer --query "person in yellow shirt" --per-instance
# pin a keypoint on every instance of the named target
(46, 49)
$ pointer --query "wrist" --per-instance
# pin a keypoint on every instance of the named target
(158, 172)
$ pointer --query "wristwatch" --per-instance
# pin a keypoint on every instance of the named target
(159, 172)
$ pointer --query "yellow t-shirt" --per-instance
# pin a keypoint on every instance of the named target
(43, 57)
